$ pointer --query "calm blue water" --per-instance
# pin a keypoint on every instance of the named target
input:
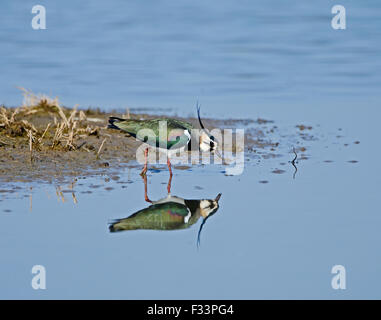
(169, 53)
(274, 59)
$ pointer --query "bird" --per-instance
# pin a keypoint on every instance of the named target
(177, 137)
(169, 213)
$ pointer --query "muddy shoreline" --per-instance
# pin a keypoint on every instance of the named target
(42, 141)
(32, 150)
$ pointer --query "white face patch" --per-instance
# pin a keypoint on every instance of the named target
(204, 204)
(205, 143)
(204, 147)
(207, 206)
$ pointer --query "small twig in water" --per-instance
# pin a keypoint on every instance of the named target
(74, 198)
(296, 156)
(293, 162)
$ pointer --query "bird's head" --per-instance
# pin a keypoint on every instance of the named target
(207, 142)
(209, 207)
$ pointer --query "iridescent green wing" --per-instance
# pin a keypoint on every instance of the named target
(175, 134)
(183, 124)
(163, 216)
(179, 134)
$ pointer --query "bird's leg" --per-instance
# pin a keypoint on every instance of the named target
(170, 176)
(145, 189)
(143, 173)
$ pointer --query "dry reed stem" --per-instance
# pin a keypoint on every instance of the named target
(82, 116)
(100, 148)
(31, 138)
(43, 135)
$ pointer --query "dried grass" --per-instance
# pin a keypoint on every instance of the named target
(33, 103)
(100, 148)
(13, 127)
(58, 128)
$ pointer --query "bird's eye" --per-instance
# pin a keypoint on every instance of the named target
(212, 138)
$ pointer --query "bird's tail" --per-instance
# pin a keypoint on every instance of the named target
(123, 225)
(113, 120)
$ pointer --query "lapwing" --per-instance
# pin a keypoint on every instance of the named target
(178, 136)
(169, 213)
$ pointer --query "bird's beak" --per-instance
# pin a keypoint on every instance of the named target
(218, 197)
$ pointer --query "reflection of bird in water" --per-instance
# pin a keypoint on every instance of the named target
(169, 213)
(177, 136)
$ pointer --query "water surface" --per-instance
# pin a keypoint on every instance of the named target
(273, 236)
